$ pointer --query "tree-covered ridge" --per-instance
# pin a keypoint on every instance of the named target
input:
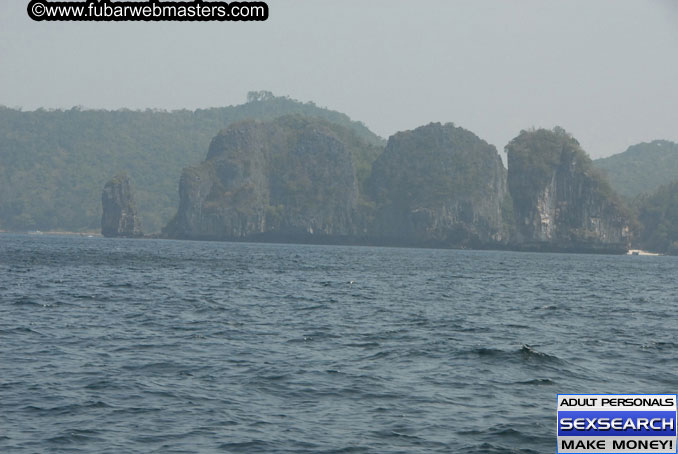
(658, 217)
(284, 131)
(432, 163)
(363, 152)
(53, 164)
(642, 168)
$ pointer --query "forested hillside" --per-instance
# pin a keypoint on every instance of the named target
(54, 163)
(658, 217)
(642, 168)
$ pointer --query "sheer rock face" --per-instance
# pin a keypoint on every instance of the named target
(289, 179)
(438, 185)
(119, 217)
(560, 202)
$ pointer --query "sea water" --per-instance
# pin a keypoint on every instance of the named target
(157, 346)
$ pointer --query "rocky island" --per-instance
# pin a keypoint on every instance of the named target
(119, 218)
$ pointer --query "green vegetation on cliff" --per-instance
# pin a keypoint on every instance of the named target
(433, 163)
(642, 168)
(658, 217)
(53, 164)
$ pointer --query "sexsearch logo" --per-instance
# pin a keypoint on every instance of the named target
(617, 423)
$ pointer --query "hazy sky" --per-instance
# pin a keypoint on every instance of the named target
(605, 70)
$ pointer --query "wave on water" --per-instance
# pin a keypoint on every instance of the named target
(523, 353)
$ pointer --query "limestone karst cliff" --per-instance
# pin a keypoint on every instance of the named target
(119, 218)
(302, 179)
(293, 178)
(560, 201)
(438, 185)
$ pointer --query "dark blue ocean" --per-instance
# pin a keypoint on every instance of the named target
(155, 346)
